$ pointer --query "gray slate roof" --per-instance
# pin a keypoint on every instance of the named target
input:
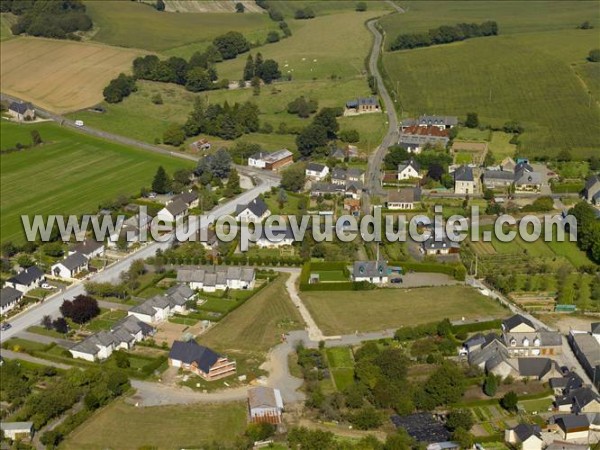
(262, 397)
(9, 295)
(524, 431)
(187, 197)
(572, 421)
(315, 167)
(514, 321)
(74, 261)
(190, 351)
(87, 247)
(522, 177)
(20, 107)
(503, 175)
(535, 367)
(27, 276)
(177, 207)
(369, 269)
(12, 426)
(257, 207)
(463, 173)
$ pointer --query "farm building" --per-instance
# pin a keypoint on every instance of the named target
(265, 405)
(21, 111)
(200, 360)
(414, 138)
(271, 161)
(440, 122)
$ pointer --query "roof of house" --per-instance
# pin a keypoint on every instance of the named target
(354, 172)
(498, 175)
(430, 131)
(369, 269)
(264, 397)
(177, 207)
(492, 347)
(181, 290)
(133, 326)
(463, 173)
(87, 247)
(9, 295)
(187, 197)
(524, 431)
(404, 195)
(568, 382)
(592, 181)
(315, 167)
(74, 261)
(434, 243)
(15, 426)
(362, 101)
(475, 340)
(595, 328)
(20, 107)
(535, 367)
(354, 186)
(561, 445)
(27, 276)
(583, 396)
(277, 156)
(215, 274)
(190, 351)
(589, 347)
(438, 120)
(338, 173)
(572, 422)
(410, 163)
(327, 188)
(516, 320)
(523, 165)
(278, 234)
(524, 177)
(258, 207)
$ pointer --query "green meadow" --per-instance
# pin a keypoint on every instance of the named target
(70, 173)
(535, 71)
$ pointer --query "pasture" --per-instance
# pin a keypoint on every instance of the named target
(256, 326)
(162, 427)
(325, 7)
(60, 75)
(71, 173)
(350, 311)
(135, 25)
(501, 77)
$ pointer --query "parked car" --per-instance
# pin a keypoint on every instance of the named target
(152, 195)
(79, 123)
(396, 280)
(5, 326)
(47, 286)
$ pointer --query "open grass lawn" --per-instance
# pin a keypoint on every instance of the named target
(340, 357)
(125, 427)
(133, 24)
(106, 320)
(332, 275)
(347, 312)
(536, 405)
(256, 325)
(60, 75)
(501, 147)
(570, 251)
(463, 158)
(590, 74)
(289, 207)
(71, 174)
(501, 77)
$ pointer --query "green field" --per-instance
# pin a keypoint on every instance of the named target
(341, 365)
(132, 24)
(71, 173)
(350, 311)
(331, 275)
(528, 73)
(6, 21)
(324, 7)
(162, 427)
(257, 325)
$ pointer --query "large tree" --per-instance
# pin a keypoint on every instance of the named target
(327, 118)
(293, 178)
(161, 183)
(81, 309)
(310, 138)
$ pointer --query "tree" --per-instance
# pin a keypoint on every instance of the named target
(361, 6)
(249, 68)
(231, 44)
(293, 179)
(221, 163)
(509, 401)
(9, 249)
(198, 80)
(233, 184)
(239, 7)
(350, 136)
(260, 431)
(327, 118)
(586, 25)
(47, 322)
(161, 183)
(60, 325)
(460, 418)
(119, 88)
(444, 387)
(121, 360)
(272, 37)
(174, 135)
(594, 55)
(282, 198)
(255, 83)
(36, 138)
(472, 120)
(490, 385)
(182, 176)
(81, 309)
(160, 5)
(268, 71)
(366, 418)
(463, 438)
(310, 138)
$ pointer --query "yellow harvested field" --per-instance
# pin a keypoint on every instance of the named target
(61, 76)
(214, 6)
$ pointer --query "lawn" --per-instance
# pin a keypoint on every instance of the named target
(501, 147)
(340, 357)
(106, 320)
(73, 174)
(347, 312)
(499, 77)
(257, 324)
(463, 158)
(132, 24)
(536, 405)
(60, 75)
(332, 275)
(162, 427)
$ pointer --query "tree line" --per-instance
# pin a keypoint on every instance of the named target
(257, 68)
(52, 19)
(588, 230)
(444, 35)
(276, 16)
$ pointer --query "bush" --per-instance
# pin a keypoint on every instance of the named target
(361, 6)
(594, 55)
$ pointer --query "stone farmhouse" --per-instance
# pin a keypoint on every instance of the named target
(362, 105)
(414, 138)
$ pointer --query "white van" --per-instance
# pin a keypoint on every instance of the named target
(79, 123)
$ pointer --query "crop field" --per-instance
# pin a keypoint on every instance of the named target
(350, 311)
(135, 25)
(256, 325)
(88, 168)
(60, 75)
(162, 427)
(500, 77)
(324, 7)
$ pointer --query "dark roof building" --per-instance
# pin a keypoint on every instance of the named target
(74, 261)
(258, 207)
(514, 321)
(20, 107)
(463, 173)
(9, 297)
(27, 276)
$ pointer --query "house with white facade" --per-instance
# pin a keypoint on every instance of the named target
(255, 211)
(527, 437)
(16, 430)
(275, 237)
(271, 160)
(217, 278)
(88, 248)
(9, 299)
(405, 198)
(316, 171)
(154, 310)
(27, 279)
(69, 267)
(409, 169)
(173, 211)
(375, 272)
(464, 182)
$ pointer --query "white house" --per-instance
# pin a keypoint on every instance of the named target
(21, 111)
(70, 266)
(316, 171)
(217, 278)
(573, 426)
(14, 430)
(173, 212)
(277, 238)
(178, 296)
(464, 182)
(88, 248)
(255, 211)
(96, 347)
(154, 310)
(405, 198)
(27, 279)
(265, 405)
(409, 169)
(9, 298)
(528, 437)
(372, 271)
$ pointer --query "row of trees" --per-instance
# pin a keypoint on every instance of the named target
(275, 15)
(231, 44)
(56, 19)
(302, 107)
(444, 35)
(588, 230)
(266, 70)
(119, 88)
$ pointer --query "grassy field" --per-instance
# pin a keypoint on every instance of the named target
(324, 7)
(60, 75)
(6, 21)
(501, 77)
(162, 427)
(341, 365)
(88, 168)
(347, 312)
(132, 24)
(256, 326)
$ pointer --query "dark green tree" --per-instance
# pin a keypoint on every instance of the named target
(310, 138)
(472, 120)
(239, 7)
(161, 183)
(594, 55)
(361, 6)
(509, 401)
(460, 418)
(160, 5)
(249, 68)
(327, 118)
(293, 179)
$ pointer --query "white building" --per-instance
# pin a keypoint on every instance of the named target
(70, 266)
(217, 278)
(316, 171)
(528, 437)
(173, 212)
(27, 279)
(464, 182)
(277, 238)
(409, 169)
(154, 310)
(255, 211)
(375, 272)
(9, 298)
(265, 405)
(14, 430)
(88, 248)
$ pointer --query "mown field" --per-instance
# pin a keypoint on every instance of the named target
(132, 24)
(69, 174)
(60, 75)
(256, 326)
(347, 312)
(528, 73)
(126, 427)
(324, 7)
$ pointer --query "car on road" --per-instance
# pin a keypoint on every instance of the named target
(79, 123)
(396, 280)
(47, 286)
(5, 326)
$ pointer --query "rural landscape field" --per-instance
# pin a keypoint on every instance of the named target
(286, 317)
